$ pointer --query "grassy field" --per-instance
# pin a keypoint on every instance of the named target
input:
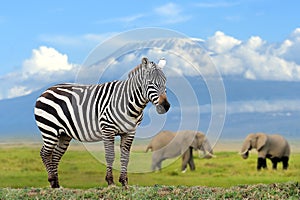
(21, 167)
(228, 176)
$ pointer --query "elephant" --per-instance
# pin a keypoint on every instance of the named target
(167, 144)
(274, 147)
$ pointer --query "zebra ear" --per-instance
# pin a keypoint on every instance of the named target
(145, 61)
(161, 63)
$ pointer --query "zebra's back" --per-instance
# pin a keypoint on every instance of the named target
(72, 109)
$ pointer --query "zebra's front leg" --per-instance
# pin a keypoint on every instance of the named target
(126, 141)
(109, 157)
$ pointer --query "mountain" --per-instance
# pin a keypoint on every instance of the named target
(17, 119)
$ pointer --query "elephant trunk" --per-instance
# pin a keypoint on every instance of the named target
(246, 147)
(148, 148)
(207, 150)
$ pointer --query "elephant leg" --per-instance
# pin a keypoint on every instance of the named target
(185, 160)
(261, 163)
(156, 161)
(191, 160)
(159, 165)
(285, 162)
(265, 164)
(274, 160)
(153, 166)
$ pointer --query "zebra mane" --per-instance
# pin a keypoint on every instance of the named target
(135, 70)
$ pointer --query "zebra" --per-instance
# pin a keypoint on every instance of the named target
(90, 113)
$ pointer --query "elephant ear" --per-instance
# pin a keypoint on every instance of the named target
(261, 141)
(198, 140)
(189, 139)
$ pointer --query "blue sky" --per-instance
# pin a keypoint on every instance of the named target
(69, 30)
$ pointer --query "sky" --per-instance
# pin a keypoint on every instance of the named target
(44, 41)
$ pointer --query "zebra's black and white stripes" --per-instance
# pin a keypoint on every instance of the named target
(91, 113)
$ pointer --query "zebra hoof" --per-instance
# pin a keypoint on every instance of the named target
(125, 187)
(53, 182)
(124, 181)
(109, 180)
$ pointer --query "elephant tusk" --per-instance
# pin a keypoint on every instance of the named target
(242, 153)
(209, 154)
(212, 155)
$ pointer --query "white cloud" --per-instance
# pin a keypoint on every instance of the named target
(255, 43)
(45, 66)
(46, 60)
(255, 58)
(220, 42)
(171, 13)
(169, 9)
(290, 48)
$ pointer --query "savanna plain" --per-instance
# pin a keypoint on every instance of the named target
(81, 175)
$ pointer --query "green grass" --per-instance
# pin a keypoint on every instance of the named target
(289, 190)
(22, 167)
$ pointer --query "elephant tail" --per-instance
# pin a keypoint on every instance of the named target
(148, 147)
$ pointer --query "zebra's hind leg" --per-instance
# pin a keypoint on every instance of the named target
(46, 155)
(126, 141)
(58, 152)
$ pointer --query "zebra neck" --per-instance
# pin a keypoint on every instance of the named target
(137, 95)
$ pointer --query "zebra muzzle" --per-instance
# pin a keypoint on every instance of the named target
(163, 107)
